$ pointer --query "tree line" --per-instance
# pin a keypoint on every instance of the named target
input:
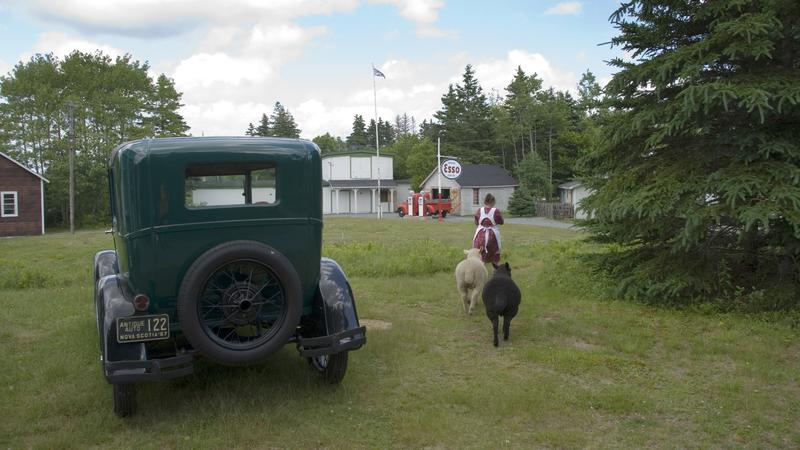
(110, 101)
(537, 134)
(280, 124)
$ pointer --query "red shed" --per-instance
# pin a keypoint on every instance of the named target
(21, 199)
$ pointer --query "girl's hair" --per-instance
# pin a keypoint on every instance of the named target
(489, 200)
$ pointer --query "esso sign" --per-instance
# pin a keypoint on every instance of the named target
(451, 169)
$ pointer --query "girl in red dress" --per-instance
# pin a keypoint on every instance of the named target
(487, 235)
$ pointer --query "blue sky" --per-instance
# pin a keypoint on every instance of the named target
(234, 59)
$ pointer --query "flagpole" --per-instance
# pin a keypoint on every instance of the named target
(377, 144)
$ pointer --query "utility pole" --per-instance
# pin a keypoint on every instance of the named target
(550, 152)
(71, 106)
(439, 173)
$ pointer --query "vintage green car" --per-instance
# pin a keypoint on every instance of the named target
(217, 254)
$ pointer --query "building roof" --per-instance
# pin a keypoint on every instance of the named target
(570, 185)
(481, 175)
(359, 184)
(26, 169)
(357, 153)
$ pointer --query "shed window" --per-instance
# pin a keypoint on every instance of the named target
(476, 196)
(445, 193)
(230, 184)
(10, 207)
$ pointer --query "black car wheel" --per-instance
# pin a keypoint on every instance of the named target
(240, 302)
(444, 214)
(331, 367)
(401, 213)
(124, 399)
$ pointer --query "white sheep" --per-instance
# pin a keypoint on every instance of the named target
(471, 275)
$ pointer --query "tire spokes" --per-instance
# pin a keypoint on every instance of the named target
(241, 303)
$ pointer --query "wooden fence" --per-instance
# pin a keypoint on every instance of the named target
(555, 210)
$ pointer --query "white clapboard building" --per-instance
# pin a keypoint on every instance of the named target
(350, 183)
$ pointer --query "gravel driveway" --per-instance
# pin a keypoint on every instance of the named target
(538, 221)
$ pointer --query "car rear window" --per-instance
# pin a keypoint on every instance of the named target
(213, 185)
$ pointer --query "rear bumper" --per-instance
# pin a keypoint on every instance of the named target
(335, 343)
(148, 369)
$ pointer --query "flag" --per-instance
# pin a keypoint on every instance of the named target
(378, 73)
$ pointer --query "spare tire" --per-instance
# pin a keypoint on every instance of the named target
(239, 302)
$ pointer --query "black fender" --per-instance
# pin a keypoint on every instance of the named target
(334, 322)
(125, 362)
(113, 299)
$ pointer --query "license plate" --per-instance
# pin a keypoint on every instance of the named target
(142, 328)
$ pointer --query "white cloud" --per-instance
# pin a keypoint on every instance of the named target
(222, 118)
(158, 18)
(61, 45)
(498, 73)
(268, 38)
(565, 8)
(426, 88)
(203, 70)
(424, 13)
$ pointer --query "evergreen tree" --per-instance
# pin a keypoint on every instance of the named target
(403, 125)
(521, 203)
(263, 128)
(283, 124)
(359, 138)
(251, 130)
(165, 120)
(465, 121)
(386, 133)
(698, 176)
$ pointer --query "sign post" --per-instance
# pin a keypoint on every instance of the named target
(439, 175)
(451, 169)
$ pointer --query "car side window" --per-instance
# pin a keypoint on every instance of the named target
(230, 184)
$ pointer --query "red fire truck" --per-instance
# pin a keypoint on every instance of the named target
(430, 206)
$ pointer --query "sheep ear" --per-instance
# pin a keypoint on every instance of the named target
(466, 252)
(494, 265)
(508, 267)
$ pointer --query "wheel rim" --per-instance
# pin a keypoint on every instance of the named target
(241, 304)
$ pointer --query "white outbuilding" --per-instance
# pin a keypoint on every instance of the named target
(350, 183)
(572, 193)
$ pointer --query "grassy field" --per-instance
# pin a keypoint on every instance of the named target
(579, 371)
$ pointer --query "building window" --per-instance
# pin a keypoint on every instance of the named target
(476, 196)
(445, 193)
(230, 184)
(10, 207)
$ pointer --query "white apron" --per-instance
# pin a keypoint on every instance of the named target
(492, 229)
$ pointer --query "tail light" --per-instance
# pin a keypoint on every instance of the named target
(141, 302)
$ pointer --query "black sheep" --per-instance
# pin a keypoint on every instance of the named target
(501, 297)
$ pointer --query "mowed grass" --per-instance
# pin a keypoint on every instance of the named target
(578, 371)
